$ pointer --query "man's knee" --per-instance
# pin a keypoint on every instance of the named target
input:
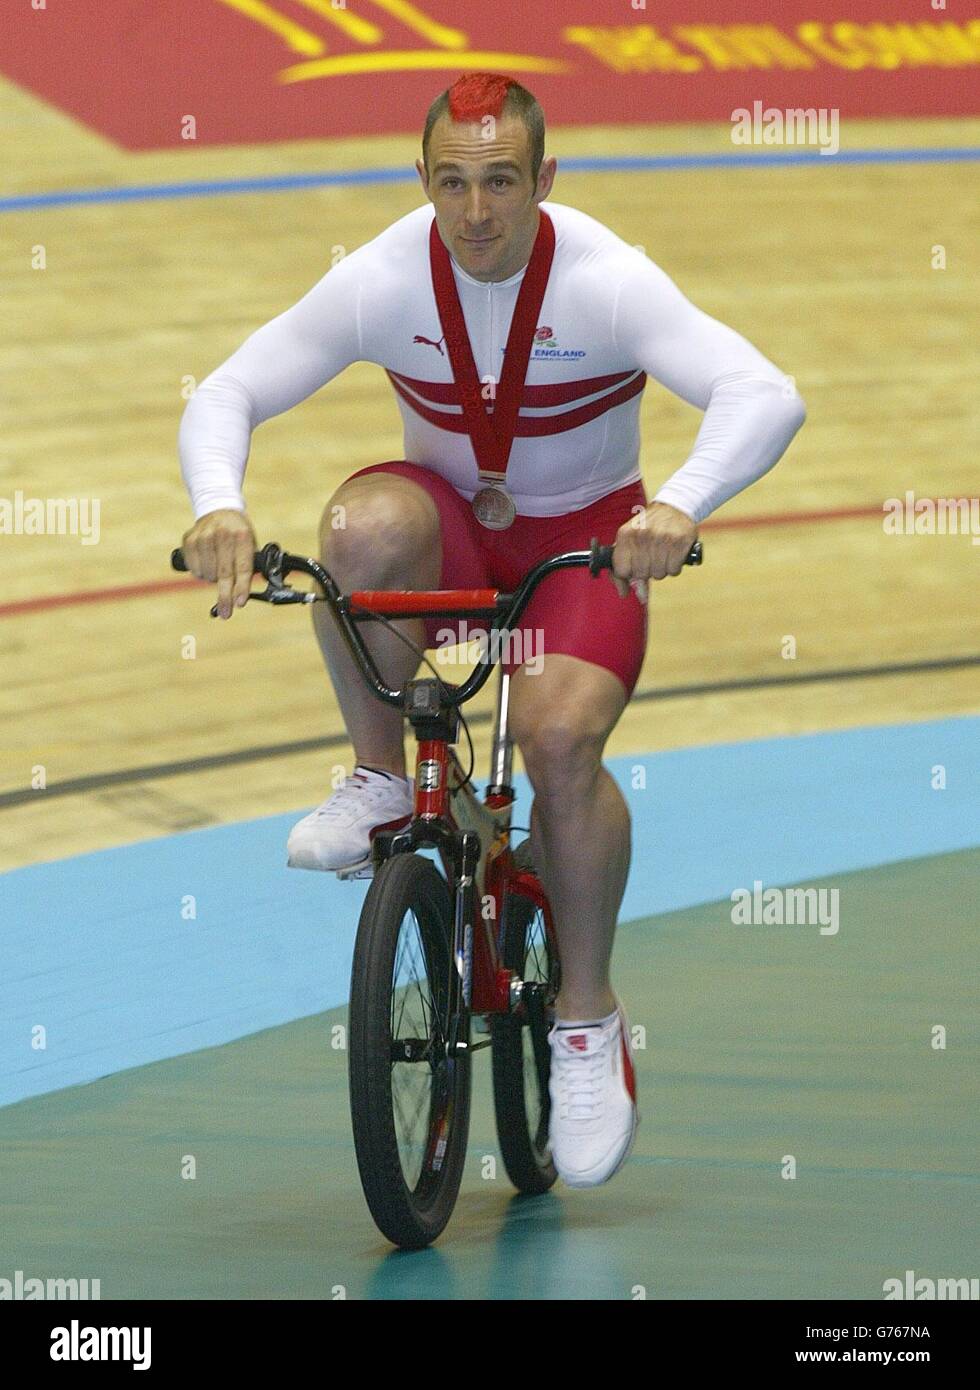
(561, 721)
(560, 747)
(380, 519)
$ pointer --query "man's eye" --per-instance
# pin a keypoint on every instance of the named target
(447, 182)
(501, 179)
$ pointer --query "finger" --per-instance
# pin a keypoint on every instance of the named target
(660, 560)
(226, 568)
(619, 572)
(628, 555)
(641, 590)
(207, 563)
(678, 555)
(658, 564)
(190, 553)
(244, 560)
(621, 558)
(191, 550)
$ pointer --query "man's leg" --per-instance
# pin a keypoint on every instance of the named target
(390, 539)
(560, 719)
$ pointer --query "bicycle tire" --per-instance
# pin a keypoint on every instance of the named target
(521, 1097)
(411, 1214)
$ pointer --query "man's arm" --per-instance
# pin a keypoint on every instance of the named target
(280, 365)
(752, 411)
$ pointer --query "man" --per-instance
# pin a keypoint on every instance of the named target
(514, 450)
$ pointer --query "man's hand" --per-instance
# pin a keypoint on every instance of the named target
(651, 545)
(221, 546)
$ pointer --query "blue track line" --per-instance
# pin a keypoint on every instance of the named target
(287, 183)
(101, 949)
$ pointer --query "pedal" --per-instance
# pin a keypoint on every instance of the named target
(363, 869)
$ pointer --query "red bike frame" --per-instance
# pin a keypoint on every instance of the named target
(444, 798)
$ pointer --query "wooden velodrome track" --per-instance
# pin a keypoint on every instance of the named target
(759, 1044)
(828, 270)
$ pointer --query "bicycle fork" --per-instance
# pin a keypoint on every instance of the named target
(481, 828)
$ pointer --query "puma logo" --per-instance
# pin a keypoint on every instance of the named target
(438, 346)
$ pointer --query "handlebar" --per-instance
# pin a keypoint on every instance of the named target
(600, 558)
(502, 610)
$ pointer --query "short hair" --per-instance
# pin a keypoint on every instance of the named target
(479, 94)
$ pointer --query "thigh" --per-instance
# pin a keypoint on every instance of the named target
(564, 710)
(464, 565)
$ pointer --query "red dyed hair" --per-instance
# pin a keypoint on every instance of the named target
(478, 94)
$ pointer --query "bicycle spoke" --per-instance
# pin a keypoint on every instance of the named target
(535, 1046)
(411, 1145)
(417, 1086)
(411, 940)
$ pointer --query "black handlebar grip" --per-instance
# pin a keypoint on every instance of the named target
(178, 563)
(602, 556)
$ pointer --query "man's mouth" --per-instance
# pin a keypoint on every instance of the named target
(478, 240)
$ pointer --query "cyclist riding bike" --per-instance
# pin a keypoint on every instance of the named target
(517, 334)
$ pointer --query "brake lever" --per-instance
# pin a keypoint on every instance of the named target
(276, 591)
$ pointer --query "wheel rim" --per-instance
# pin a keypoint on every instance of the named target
(421, 1074)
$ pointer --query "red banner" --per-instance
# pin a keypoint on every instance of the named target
(153, 74)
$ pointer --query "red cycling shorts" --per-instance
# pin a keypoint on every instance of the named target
(570, 612)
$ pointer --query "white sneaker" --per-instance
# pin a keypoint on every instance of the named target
(593, 1099)
(337, 836)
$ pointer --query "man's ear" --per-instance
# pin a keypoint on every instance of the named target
(423, 175)
(546, 178)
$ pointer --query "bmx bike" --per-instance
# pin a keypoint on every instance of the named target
(444, 951)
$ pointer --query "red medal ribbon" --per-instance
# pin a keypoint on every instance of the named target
(492, 435)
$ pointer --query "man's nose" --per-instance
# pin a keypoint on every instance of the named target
(476, 207)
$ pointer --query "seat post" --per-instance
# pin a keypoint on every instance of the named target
(502, 752)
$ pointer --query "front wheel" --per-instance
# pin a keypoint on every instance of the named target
(410, 1100)
(521, 1051)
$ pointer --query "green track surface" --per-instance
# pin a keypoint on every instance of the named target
(761, 1041)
